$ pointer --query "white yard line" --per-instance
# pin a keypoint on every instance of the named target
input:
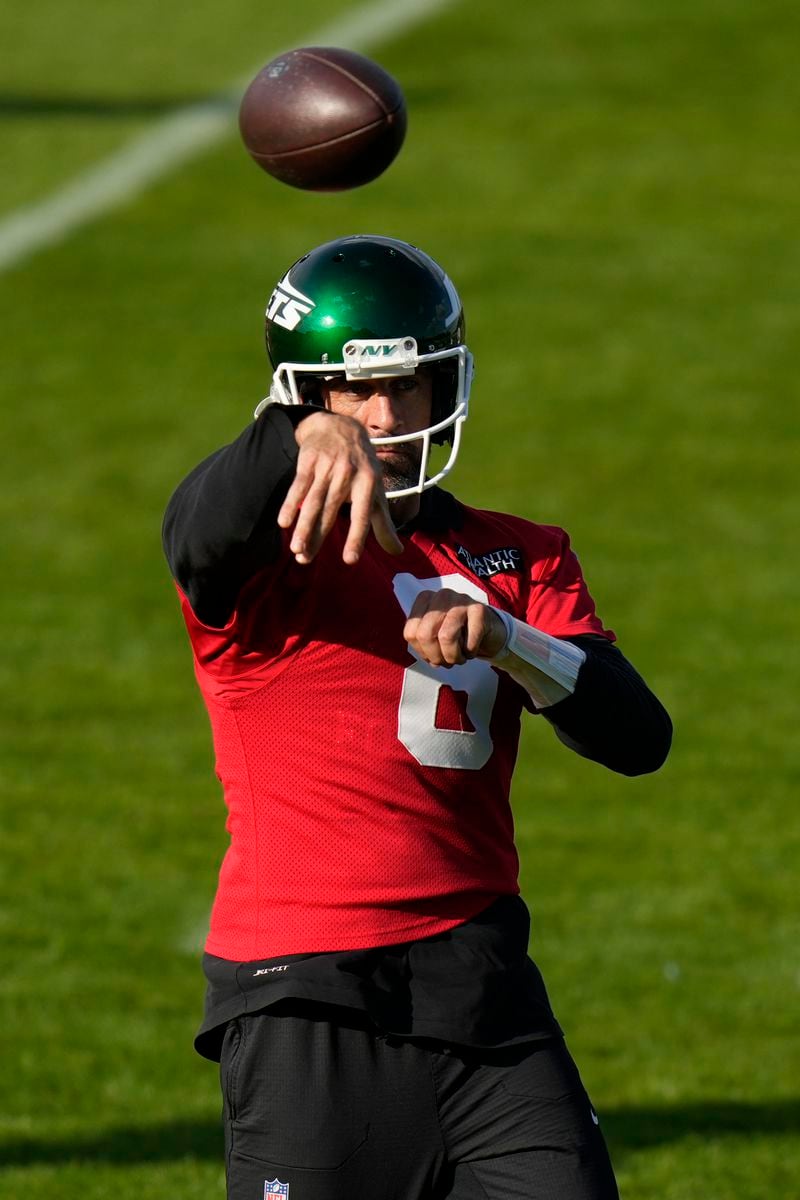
(182, 135)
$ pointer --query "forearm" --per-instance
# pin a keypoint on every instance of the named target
(595, 700)
(220, 524)
(612, 717)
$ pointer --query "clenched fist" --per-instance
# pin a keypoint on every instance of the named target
(446, 628)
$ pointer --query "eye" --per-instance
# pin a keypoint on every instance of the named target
(352, 390)
(408, 384)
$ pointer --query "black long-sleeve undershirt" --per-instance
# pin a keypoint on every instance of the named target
(220, 527)
(220, 524)
(612, 717)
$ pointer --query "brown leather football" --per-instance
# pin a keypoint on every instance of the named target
(323, 119)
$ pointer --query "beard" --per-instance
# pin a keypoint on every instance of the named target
(400, 469)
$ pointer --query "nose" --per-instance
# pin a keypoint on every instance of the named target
(384, 413)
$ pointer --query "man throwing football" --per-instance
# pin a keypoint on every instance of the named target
(366, 645)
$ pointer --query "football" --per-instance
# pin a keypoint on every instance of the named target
(323, 119)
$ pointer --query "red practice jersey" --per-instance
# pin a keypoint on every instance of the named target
(368, 792)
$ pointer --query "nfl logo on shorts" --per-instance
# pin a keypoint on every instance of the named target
(275, 1190)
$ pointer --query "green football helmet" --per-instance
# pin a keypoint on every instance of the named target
(369, 308)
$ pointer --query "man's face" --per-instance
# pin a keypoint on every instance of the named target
(389, 407)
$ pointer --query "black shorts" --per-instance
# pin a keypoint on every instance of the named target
(331, 1110)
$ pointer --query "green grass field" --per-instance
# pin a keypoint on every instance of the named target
(615, 188)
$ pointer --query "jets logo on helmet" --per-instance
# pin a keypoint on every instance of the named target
(287, 306)
(381, 308)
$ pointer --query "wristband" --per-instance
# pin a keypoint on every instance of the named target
(545, 666)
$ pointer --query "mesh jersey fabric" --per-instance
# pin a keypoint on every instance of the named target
(367, 793)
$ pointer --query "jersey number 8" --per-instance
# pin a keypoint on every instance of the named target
(466, 750)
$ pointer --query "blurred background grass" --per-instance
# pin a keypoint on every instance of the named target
(614, 188)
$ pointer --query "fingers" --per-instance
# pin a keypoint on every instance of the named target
(336, 465)
(446, 628)
(369, 509)
(476, 626)
(383, 526)
(321, 494)
(294, 498)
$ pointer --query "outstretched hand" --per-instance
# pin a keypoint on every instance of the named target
(446, 628)
(336, 465)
